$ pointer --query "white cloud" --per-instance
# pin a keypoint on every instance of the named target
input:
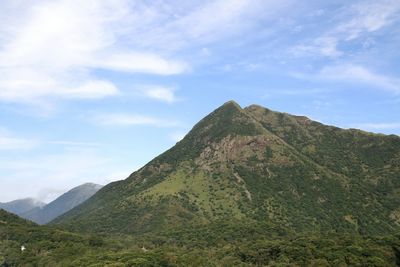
(121, 119)
(52, 47)
(198, 23)
(140, 62)
(369, 16)
(160, 93)
(326, 46)
(350, 22)
(359, 74)
(91, 89)
(29, 84)
(352, 73)
(48, 194)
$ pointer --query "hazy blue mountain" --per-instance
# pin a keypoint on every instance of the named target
(21, 206)
(62, 204)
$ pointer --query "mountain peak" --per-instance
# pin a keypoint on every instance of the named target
(231, 103)
(62, 204)
(255, 107)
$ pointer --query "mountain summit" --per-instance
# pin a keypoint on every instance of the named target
(256, 165)
(62, 204)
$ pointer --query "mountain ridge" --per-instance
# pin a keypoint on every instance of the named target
(20, 206)
(255, 164)
(62, 204)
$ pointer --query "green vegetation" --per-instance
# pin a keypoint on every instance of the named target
(246, 187)
(233, 243)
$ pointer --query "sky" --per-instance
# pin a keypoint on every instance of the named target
(92, 90)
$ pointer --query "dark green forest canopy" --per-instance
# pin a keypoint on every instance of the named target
(216, 244)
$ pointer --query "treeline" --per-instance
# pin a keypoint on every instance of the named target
(218, 244)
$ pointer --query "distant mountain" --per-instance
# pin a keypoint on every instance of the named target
(21, 206)
(256, 165)
(62, 204)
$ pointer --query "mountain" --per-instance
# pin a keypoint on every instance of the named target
(21, 206)
(252, 166)
(62, 204)
(245, 187)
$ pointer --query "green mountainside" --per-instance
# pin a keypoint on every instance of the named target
(254, 165)
(215, 244)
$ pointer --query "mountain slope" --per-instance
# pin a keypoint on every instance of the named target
(256, 165)
(21, 206)
(62, 204)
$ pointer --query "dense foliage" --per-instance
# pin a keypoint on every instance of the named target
(232, 243)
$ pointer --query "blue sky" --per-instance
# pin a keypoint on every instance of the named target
(92, 90)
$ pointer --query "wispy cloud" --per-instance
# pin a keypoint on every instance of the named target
(359, 74)
(352, 73)
(368, 16)
(160, 93)
(325, 46)
(350, 23)
(196, 23)
(123, 119)
(53, 48)
(90, 89)
(10, 141)
(57, 45)
(136, 62)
